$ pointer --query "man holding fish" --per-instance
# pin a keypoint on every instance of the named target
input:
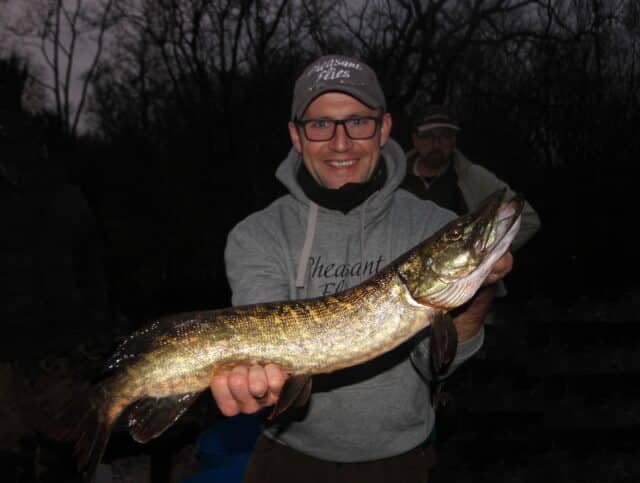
(344, 218)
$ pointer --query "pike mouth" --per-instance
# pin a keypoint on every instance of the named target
(501, 232)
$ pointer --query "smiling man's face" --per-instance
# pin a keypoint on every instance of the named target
(340, 160)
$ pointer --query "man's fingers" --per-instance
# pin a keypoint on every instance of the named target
(500, 269)
(239, 383)
(247, 389)
(258, 384)
(504, 264)
(239, 388)
(222, 395)
(276, 378)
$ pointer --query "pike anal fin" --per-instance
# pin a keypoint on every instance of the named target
(296, 392)
(150, 417)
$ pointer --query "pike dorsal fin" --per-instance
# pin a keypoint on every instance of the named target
(296, 392)
(150, 417)
(159, 333)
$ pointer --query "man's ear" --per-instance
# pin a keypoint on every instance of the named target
(385, 128)
(294, 134)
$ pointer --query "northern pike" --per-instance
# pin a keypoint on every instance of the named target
(158, 371)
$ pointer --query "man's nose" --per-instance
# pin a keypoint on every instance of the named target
(341, 140)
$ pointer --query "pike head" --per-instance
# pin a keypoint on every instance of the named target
(448, 268)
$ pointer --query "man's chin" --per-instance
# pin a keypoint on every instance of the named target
(436, 162)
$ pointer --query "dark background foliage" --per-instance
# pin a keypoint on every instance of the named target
(186, 116)
(190, 126)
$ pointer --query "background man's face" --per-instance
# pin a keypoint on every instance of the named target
(340, 160)
(435, 146)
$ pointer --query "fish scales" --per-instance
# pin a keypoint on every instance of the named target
(323, 335)
(319, 335)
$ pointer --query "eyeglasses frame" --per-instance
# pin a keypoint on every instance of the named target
(302, 123)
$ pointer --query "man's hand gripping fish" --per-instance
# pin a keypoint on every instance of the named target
(159, 371)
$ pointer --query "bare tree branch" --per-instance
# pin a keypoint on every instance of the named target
(59, 26)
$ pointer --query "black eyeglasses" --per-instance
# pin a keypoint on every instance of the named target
(357, 128)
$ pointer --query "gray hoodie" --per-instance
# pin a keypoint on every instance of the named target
(295, 249)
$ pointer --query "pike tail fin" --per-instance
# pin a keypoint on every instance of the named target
(92, 443)
(87, 420)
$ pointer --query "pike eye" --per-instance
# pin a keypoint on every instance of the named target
(455, 235)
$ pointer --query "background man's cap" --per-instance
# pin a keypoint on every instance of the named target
(432, 117)
(332, 73)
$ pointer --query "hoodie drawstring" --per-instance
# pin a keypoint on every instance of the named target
(308, 242)
(362, 226)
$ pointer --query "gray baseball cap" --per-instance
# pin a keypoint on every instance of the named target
(432, 117)
(337, 73)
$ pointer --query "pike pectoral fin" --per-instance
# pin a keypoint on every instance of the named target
(443, 344)
(150, 417)
(296, 392)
